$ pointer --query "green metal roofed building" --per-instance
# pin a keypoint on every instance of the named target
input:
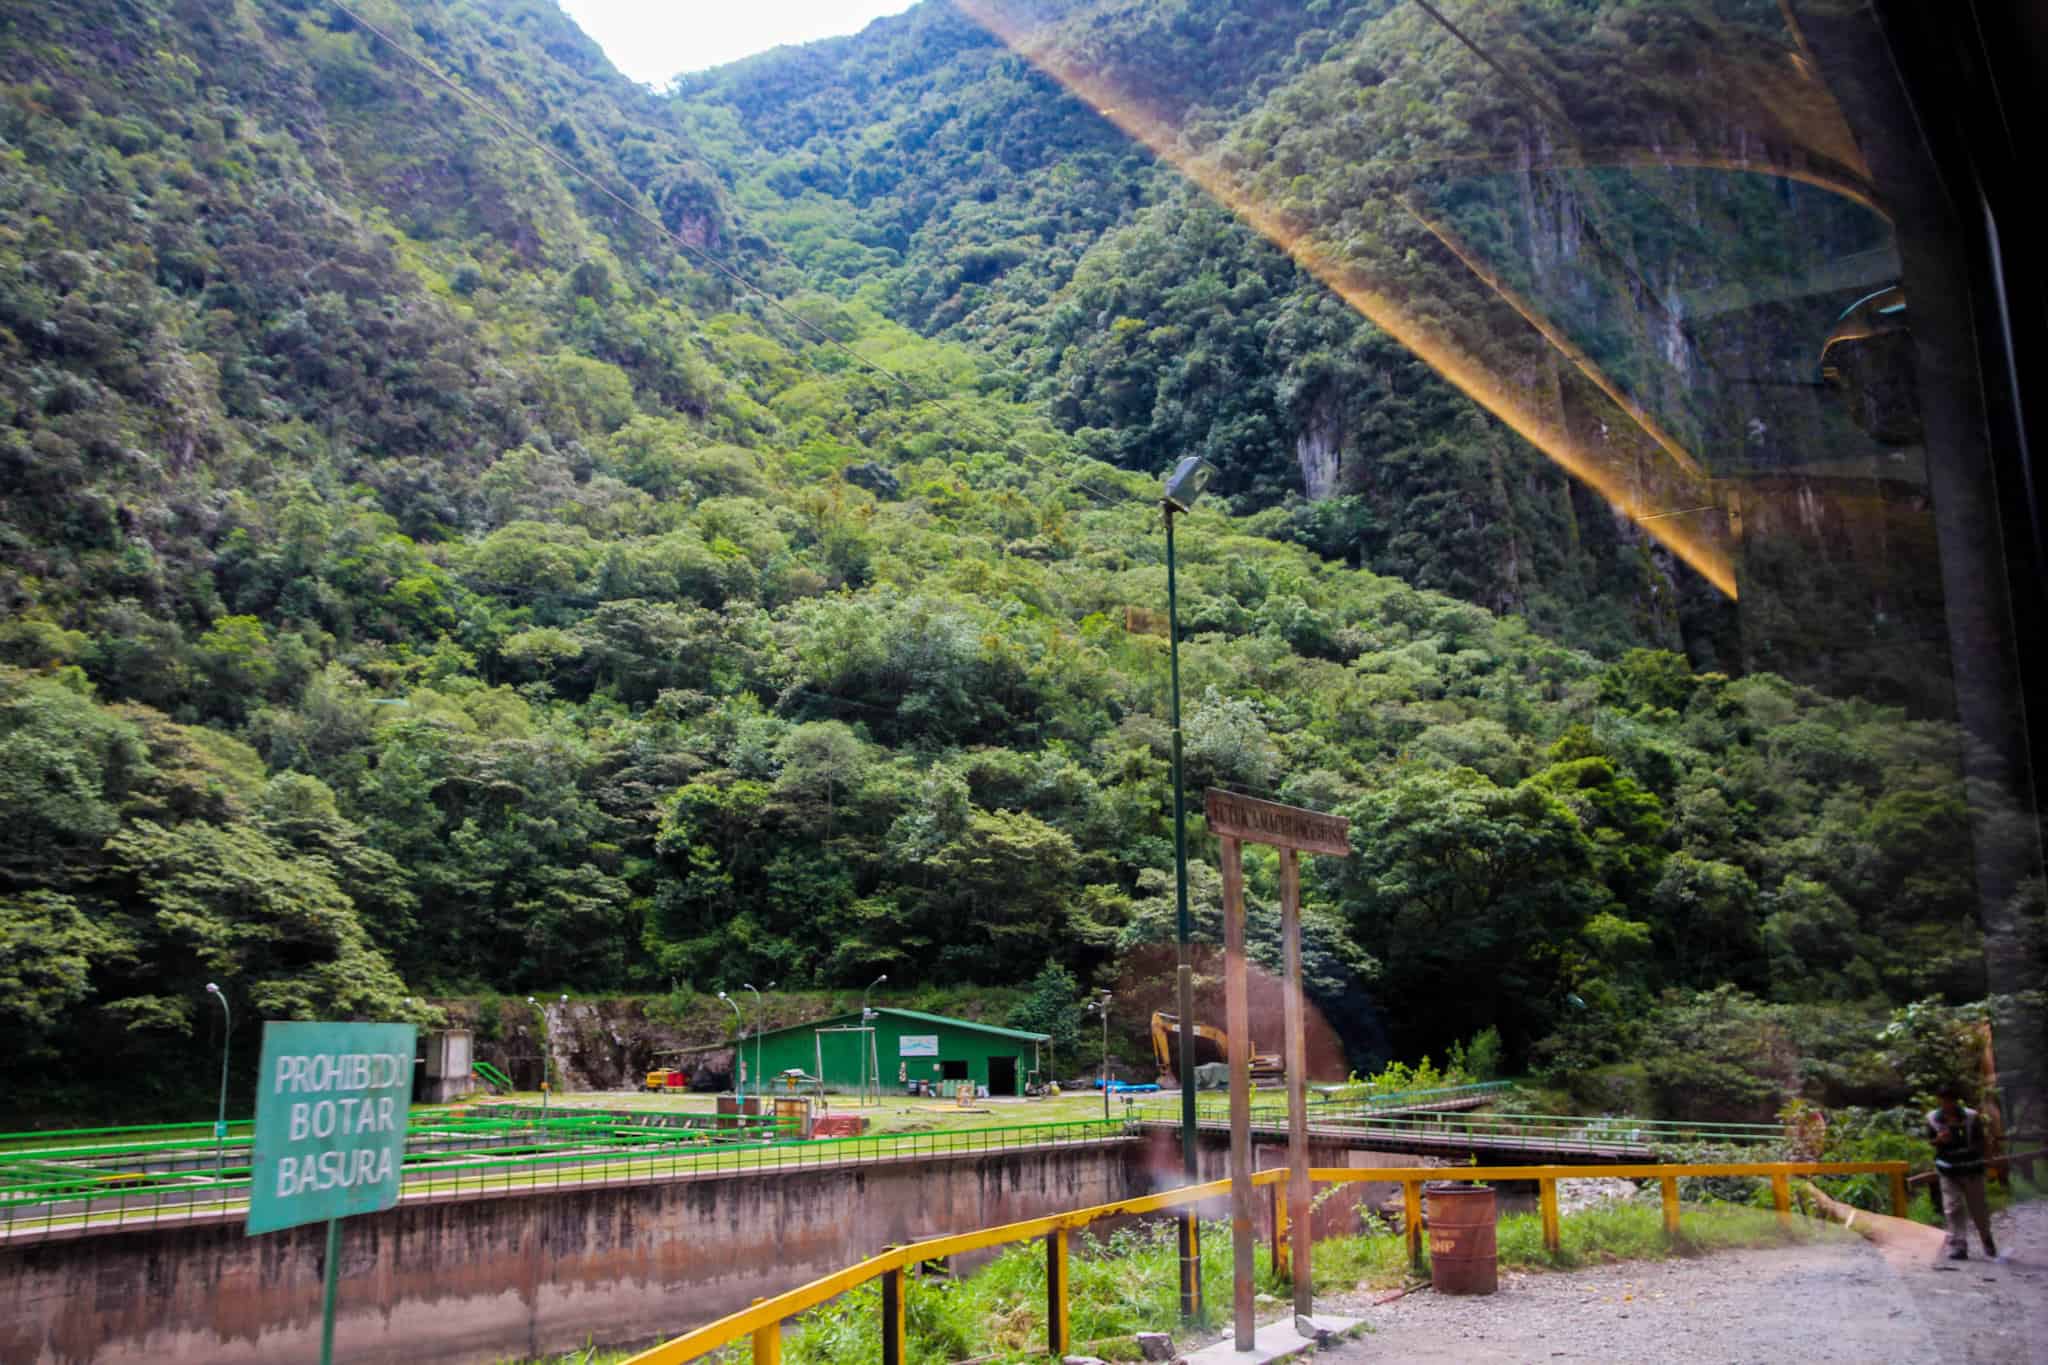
(909, 1045)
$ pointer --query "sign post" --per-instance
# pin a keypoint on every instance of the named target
(331, 1103)
(1234, 819)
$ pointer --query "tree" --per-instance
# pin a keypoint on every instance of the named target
(1706, 917)
(65, 767)
(49, 952)
(822, 761)
(1003, 887)
(229, 904)
(1456, 879)
(1052, 1007)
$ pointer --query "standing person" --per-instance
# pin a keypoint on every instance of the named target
(1958, 1137)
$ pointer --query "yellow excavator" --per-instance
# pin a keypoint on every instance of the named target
(1212, 1048)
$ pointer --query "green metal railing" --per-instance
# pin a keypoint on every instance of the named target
(69, 1191)
(492, 1077)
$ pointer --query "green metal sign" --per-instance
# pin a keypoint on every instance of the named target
(331, 1106)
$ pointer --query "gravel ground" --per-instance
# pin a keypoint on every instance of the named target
(1835, 1300)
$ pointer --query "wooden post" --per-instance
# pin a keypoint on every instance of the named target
(1233, 819)
(1238, 1023)
(1298, 1191)
(894, 1343)
(1669, 1187)
(1190, 1264)
(1553, 1229)
(1781, 1198)
(1277, 1195)
(1899, 1202)
(1056, 1330)
(1411, 1202)
(768, 1344)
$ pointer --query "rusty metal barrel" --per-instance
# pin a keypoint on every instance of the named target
(1463, 1254)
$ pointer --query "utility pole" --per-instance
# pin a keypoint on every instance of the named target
(1183, 487)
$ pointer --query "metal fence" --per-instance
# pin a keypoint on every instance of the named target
(1558, 1133)
(1428, 1120)
(1333, 1104)
(80, 1188)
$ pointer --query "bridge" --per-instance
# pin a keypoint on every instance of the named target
(1439, 1122)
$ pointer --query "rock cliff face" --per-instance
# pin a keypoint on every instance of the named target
(1320, 448)
(605, 1043)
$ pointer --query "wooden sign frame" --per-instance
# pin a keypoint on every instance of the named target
(1233, 819)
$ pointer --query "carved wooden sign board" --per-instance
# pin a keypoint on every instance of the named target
(1268, 822)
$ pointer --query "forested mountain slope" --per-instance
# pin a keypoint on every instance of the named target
(422, 573)
(983, 194)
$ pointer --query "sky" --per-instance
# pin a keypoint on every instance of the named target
(652, 40)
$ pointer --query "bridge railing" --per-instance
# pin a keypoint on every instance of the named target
(1215, 1105)
(74, 1191)
(762, 1324)
(1562, 1133)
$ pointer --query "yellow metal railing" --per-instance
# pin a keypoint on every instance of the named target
(762, 1322)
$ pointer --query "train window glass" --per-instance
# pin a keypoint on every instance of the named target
(1682, 308)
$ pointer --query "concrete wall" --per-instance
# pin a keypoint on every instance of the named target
(446, 1076)
(483, 1279)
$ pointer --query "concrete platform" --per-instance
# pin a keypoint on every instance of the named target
(1276, 1341)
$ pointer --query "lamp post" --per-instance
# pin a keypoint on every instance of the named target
(739, 1052)
(220, 1122)
(1183, 487)
(867, 1023)
(1100, 1006)
(749, 986)
(541, 1010)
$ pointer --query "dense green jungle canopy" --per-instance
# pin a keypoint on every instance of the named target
(419, 574)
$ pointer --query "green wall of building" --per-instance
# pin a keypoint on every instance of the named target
(941, 1051)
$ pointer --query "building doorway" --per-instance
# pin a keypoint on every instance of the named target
(1002, 1075)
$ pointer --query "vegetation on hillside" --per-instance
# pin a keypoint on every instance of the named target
(420, 575)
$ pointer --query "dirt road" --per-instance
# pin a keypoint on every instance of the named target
(1834, 1300)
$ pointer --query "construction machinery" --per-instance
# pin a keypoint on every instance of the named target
(1212, 1048)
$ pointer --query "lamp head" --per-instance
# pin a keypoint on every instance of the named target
(1185, 484)
(212, 989)
(721, 995)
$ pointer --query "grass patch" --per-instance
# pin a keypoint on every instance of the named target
(1129, 1282)
(1122, 1284)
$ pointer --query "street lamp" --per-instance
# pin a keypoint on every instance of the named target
(867, 1019)
(1101, 1006)
(220, 1122)
(1183, 487)
(541, 1010)
(749, 986)
(740, 1052)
